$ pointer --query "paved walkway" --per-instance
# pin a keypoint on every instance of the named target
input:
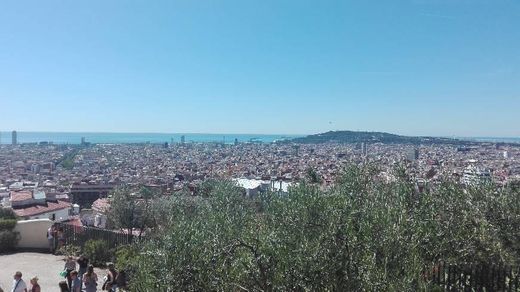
(45, 266)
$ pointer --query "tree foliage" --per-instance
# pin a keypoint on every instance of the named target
(8, 237)
(361, 235)
(133, 210)
(98, 252)
(7, 213)
(312, 176)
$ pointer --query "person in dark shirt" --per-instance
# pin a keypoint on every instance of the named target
(122, 280)
(63, 286)
(110, 283)
(83, 264)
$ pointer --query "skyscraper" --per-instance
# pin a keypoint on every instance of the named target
(183, 139)
(412, 154)
(14, 138)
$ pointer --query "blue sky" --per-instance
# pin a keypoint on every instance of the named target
(417, 67)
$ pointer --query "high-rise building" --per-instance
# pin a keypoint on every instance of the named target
(474, 175)
(183, 139)
(364, 149)
(296, 150)
(412, 154)
(82, 140)
(14, 138)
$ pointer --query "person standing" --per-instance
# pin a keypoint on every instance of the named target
(110, 283)
(18, 283)
(90, 280)
(83, 264)
(75, 282)
(61, 238)
(70, 265)
(50, 238)
(35, 286)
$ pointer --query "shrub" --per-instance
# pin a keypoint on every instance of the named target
(8, 241)
(363, 234)
(7, 224)
(125, 257)
(98, 252)
(70, 250)
(6, 213)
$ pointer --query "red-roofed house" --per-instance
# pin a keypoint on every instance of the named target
(36, 205)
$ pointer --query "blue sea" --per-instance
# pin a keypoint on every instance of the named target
(121, 138)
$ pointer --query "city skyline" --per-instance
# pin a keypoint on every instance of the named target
(417, 68)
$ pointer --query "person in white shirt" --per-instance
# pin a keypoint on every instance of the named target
(18, 283)
(50, 238)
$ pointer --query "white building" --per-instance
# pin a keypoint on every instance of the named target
(473, 175)
(255, 186)
(38, 205)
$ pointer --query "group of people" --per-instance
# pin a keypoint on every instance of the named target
(76, 279)
(83, 279)
(19, 284)
(56, 238)
(85, 276)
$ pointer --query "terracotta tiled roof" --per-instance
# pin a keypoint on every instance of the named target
(75, 221)
(21, 196)
(101, 205)
(41, 209)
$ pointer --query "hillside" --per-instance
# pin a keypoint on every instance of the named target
(373, 137)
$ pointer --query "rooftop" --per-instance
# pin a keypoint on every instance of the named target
(41, 209)
(21, 196)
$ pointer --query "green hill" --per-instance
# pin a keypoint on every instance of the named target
(373, 137)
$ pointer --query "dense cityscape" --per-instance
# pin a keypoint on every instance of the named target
(44, 180)
(82, 189)
(166, 145)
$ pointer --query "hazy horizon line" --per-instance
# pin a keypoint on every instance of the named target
(264, 134)
(163, 133)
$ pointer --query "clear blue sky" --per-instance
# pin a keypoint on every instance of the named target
(417, 67)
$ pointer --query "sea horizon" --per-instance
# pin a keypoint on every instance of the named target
(138, 137)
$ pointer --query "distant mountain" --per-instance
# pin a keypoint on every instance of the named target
(374, 137)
